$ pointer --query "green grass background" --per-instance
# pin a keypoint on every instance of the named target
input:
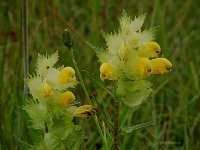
(175, 106)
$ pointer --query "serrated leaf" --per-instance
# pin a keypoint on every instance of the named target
(52, 142)
(75, 139)
(136, 98)
(137, 23)
(38, 113)
(61, 128)
(134, 92)
(137, 127)
(125, 86)
(146, 36)
(95, 48)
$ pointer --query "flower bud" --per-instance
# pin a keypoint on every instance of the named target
(67, 38)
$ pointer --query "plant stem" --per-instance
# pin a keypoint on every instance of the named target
(87, 96)
(100, 131)
(79, 76)
(25, 40)
(116, 127)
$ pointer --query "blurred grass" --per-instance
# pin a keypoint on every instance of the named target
(175, 105)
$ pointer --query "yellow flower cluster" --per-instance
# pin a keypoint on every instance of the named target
(51, 83)
(131, 52)
(130, 56)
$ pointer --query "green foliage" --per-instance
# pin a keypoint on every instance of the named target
(175, 105)
(134, 92)
(53, 142)
(39, 114)
(136, 127)
(62, 127)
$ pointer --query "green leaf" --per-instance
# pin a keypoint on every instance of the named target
(137, 127)
(75, 139)
(62, 127)
(55, 108)
(96, 49)
(39, 146)
(103, 55)
(136, 98)
(38, 113)
(134, 92)
(52, 142)
(125, 86)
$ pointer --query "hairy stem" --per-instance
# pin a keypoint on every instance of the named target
(46, 127)
(116, 127)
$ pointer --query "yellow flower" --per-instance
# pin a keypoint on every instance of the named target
(39, 88)
(85, 111)
(61, 80)
(107, 72)
(46, 91)
(142, 66)
(67, 75)
(160, 65)
(66, 98)
(150, 50)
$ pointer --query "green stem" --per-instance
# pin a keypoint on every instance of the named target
(116, 127)
(79, 76)
(87, 96)
(100, 131)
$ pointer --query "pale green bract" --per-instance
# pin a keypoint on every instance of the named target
(134, 92)
(46, 62)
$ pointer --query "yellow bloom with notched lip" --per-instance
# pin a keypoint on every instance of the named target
(161, 65)
(61, 79)
(85, 111)
(66, 98)
(107, 71)
(142, 66)
(67, 75)
(149, 50)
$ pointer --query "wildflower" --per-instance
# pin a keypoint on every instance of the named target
(46, 91)
(66, 98)
(107, 72)
(142, 66)
(61, 79)
(44, 63)
(150, 50)
(85, 111)
(127, 57)
(67, 75)
(160, 65)
(39, 88)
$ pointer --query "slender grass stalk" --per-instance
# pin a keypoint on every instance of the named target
(25, 41)
(116, 125)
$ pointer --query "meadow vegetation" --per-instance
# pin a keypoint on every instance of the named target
(175, 104)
